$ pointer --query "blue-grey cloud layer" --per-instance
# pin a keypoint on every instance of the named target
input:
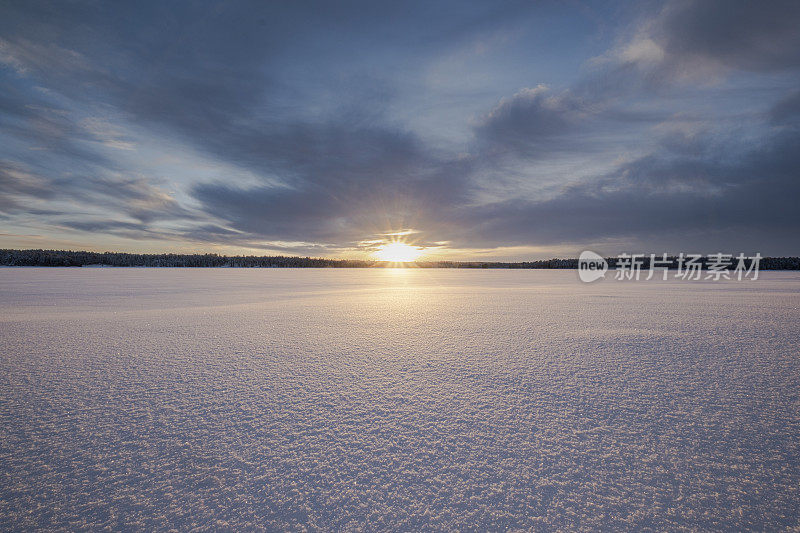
(314, 126)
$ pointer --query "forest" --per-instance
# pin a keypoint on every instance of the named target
(67, 258)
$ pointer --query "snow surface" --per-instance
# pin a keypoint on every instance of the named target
(396, 399)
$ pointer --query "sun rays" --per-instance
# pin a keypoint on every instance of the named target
(397, 252)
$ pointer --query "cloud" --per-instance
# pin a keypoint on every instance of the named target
(303, 100)
(705, 201)
(533, 121)
(701, 40)
(23, 56)
(17, 184)
(787, 110)
(45, 129)
(135, 197)
(738, 35)
(344, 183)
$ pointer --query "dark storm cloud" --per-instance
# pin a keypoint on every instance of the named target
(704, 200)
(270, 89)
(532, 122)
(696, 42)
(686, 38)
(698, 187)
(787, 110)
(738, 34)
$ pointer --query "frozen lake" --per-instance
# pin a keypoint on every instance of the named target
(410, 399)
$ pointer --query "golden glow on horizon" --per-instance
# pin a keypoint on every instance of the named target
(397, 252)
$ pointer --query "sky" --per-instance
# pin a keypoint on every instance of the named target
(472, 130)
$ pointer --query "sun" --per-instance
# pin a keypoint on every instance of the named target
(397, 252)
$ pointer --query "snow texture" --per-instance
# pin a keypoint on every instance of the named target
(149, 399)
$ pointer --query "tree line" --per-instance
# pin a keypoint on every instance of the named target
(67, 258)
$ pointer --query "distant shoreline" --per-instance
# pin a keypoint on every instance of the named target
(69, 258)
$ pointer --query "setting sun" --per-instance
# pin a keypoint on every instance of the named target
(397, 252)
